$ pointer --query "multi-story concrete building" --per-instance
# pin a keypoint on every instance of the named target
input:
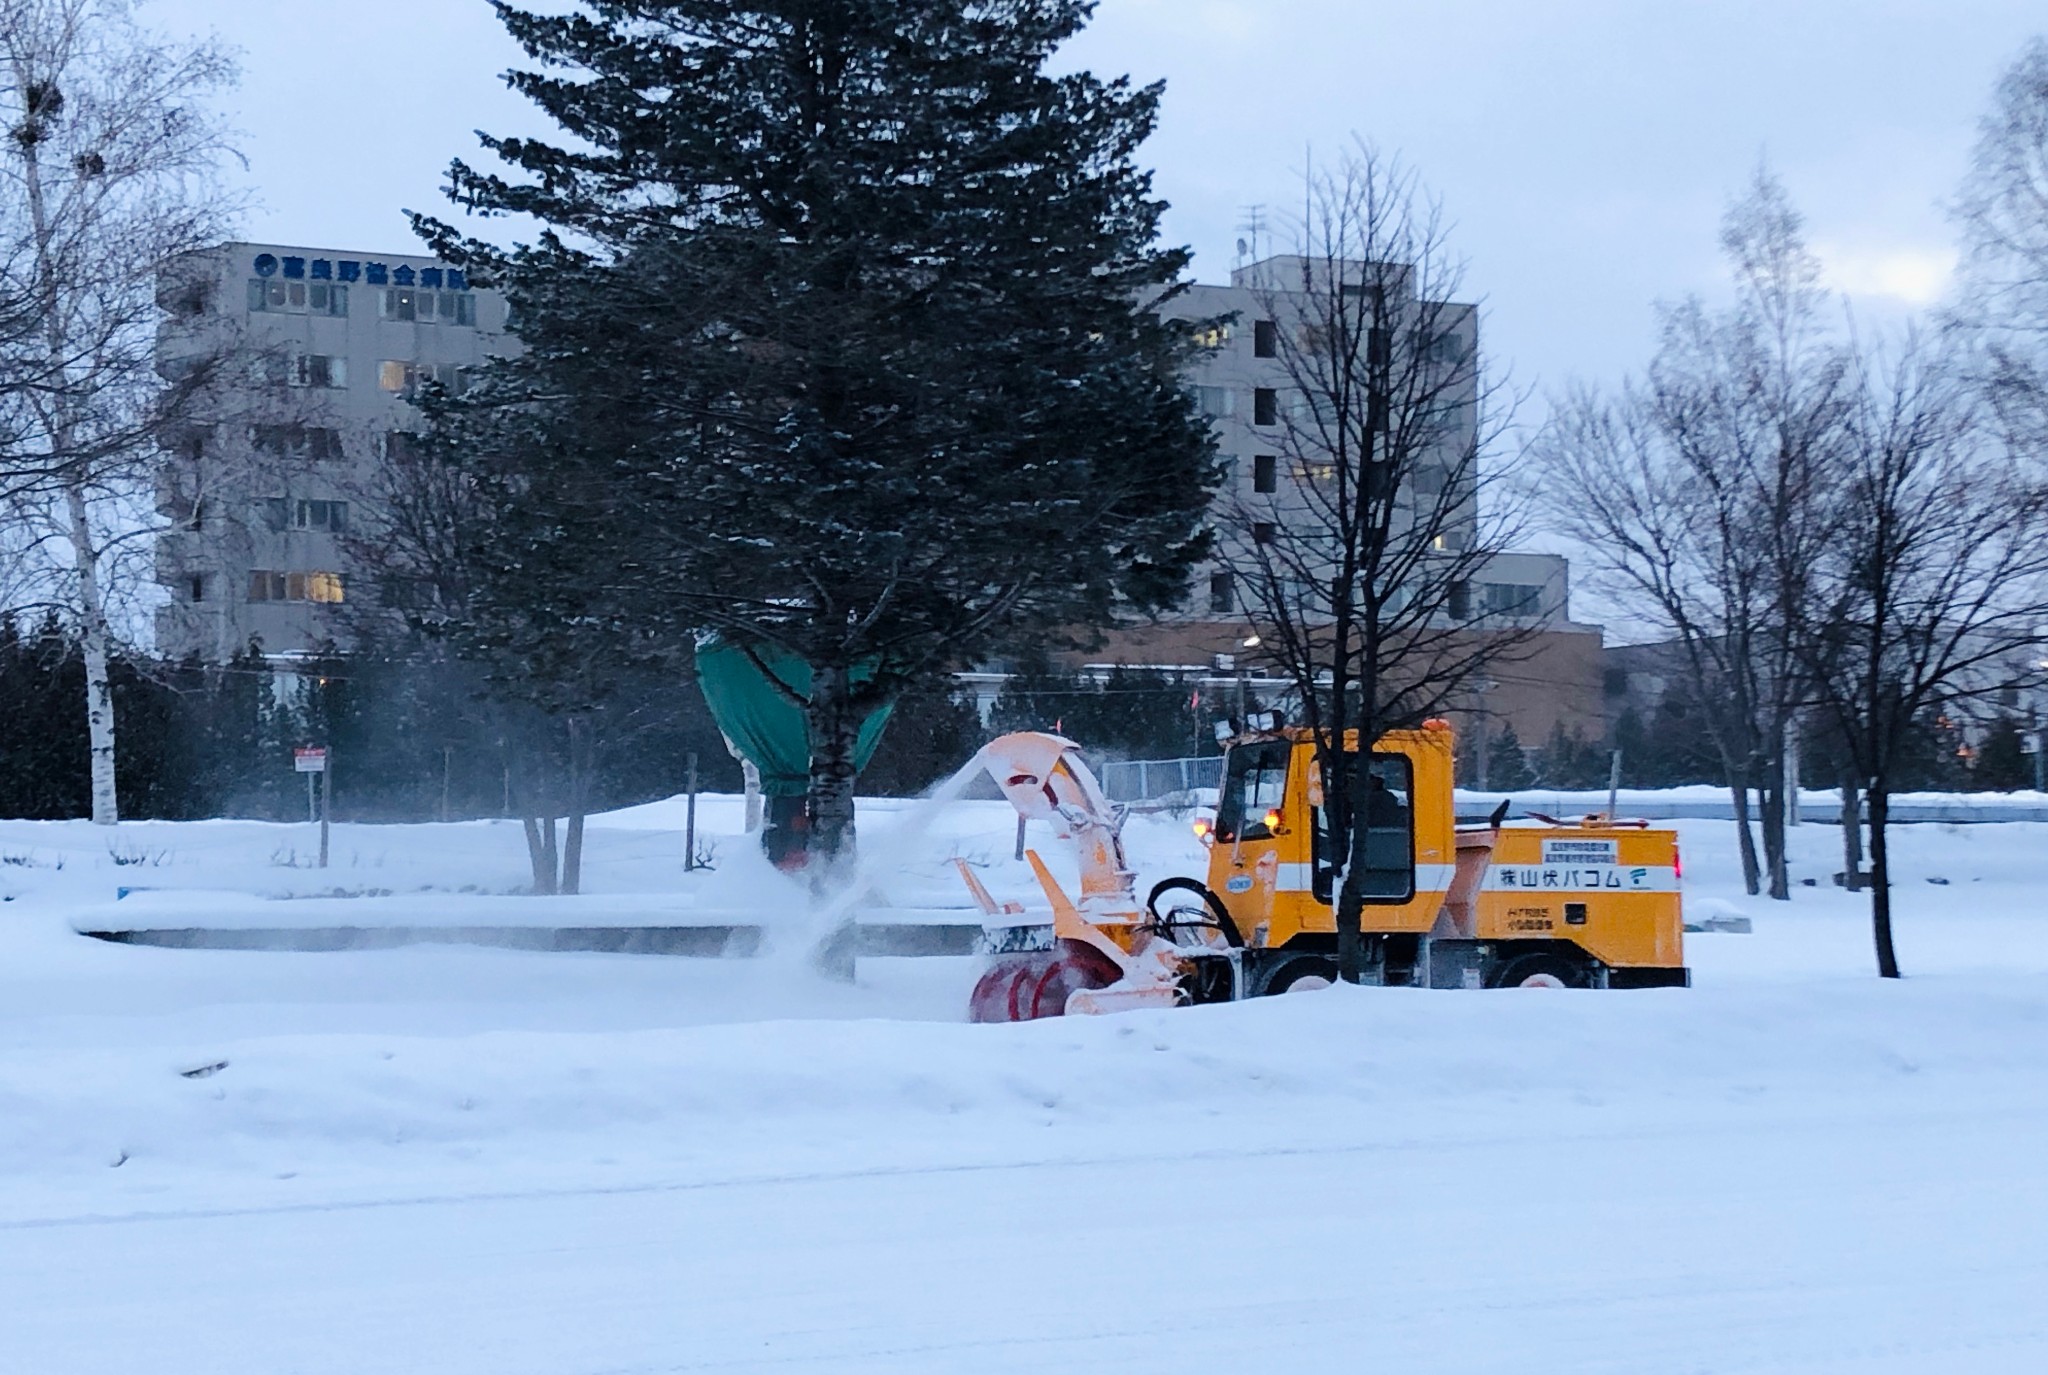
(1244, 387)
(260, 503)
(330, 346)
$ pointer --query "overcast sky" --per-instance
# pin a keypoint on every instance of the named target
(1585, 148)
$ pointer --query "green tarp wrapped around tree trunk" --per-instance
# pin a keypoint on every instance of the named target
(766, 726)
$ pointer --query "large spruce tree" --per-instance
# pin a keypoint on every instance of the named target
(841, 340)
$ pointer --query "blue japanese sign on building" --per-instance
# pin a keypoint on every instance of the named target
(354, 270)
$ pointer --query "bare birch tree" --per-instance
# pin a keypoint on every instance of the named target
(1358, 570)
(107, 174)
(1700, 494)
(2002, 304)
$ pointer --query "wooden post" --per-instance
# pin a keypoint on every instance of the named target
(690, 819)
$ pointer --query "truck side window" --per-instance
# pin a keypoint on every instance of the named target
(1390, 830)
(1254, 782)
(1389, 836)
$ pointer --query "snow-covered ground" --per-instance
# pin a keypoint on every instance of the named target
(454, 1159)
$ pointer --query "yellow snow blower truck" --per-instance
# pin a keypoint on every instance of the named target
(1593, 904)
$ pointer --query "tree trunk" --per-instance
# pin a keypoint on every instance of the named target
(1772, 796)
(535, 859)
(572, 855)
(94, 638)
(1881, 884)
(579, 800)
(1357, 812)
(834, 727)
(1852, 833)
(750, 780)
(1738, 791)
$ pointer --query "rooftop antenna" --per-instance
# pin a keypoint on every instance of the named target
(1254, 227)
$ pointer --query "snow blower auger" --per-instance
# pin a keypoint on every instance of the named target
(1591, 904)
(1103, 953)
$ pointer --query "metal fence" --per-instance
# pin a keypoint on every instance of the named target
(1157, 780)
(1152, 780)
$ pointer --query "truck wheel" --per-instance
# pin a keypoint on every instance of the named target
(1302, 976)
(1540, 971)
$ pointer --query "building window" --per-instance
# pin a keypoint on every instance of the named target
(405, 379)
(316, 370)
(1447, 347)
(1265, 406)
(1460, 601)
(1212, 336)
(1265, 339)
(197, 587)
(1222, 596)
(1262, 532)
(1266, 473)
(421, 306)
(267, 586)
(330, 516)
(1509, 599)
(318, 443)
(1216, 402)
(274, 296)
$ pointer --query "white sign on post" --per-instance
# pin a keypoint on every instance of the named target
(310, 760)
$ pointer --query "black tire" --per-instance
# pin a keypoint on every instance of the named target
(1541, 970)
(1294, 976)
(1218, 913)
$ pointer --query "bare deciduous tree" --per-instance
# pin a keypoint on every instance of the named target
(1699, 494)
(2003, 301)
(107, 173)
(1358, 571)
(1931, 580)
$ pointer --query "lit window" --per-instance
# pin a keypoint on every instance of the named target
(394, 376)
(1212, 336)
(401, 303)
(268, 586)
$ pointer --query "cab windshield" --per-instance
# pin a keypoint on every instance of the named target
(1254, 782)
